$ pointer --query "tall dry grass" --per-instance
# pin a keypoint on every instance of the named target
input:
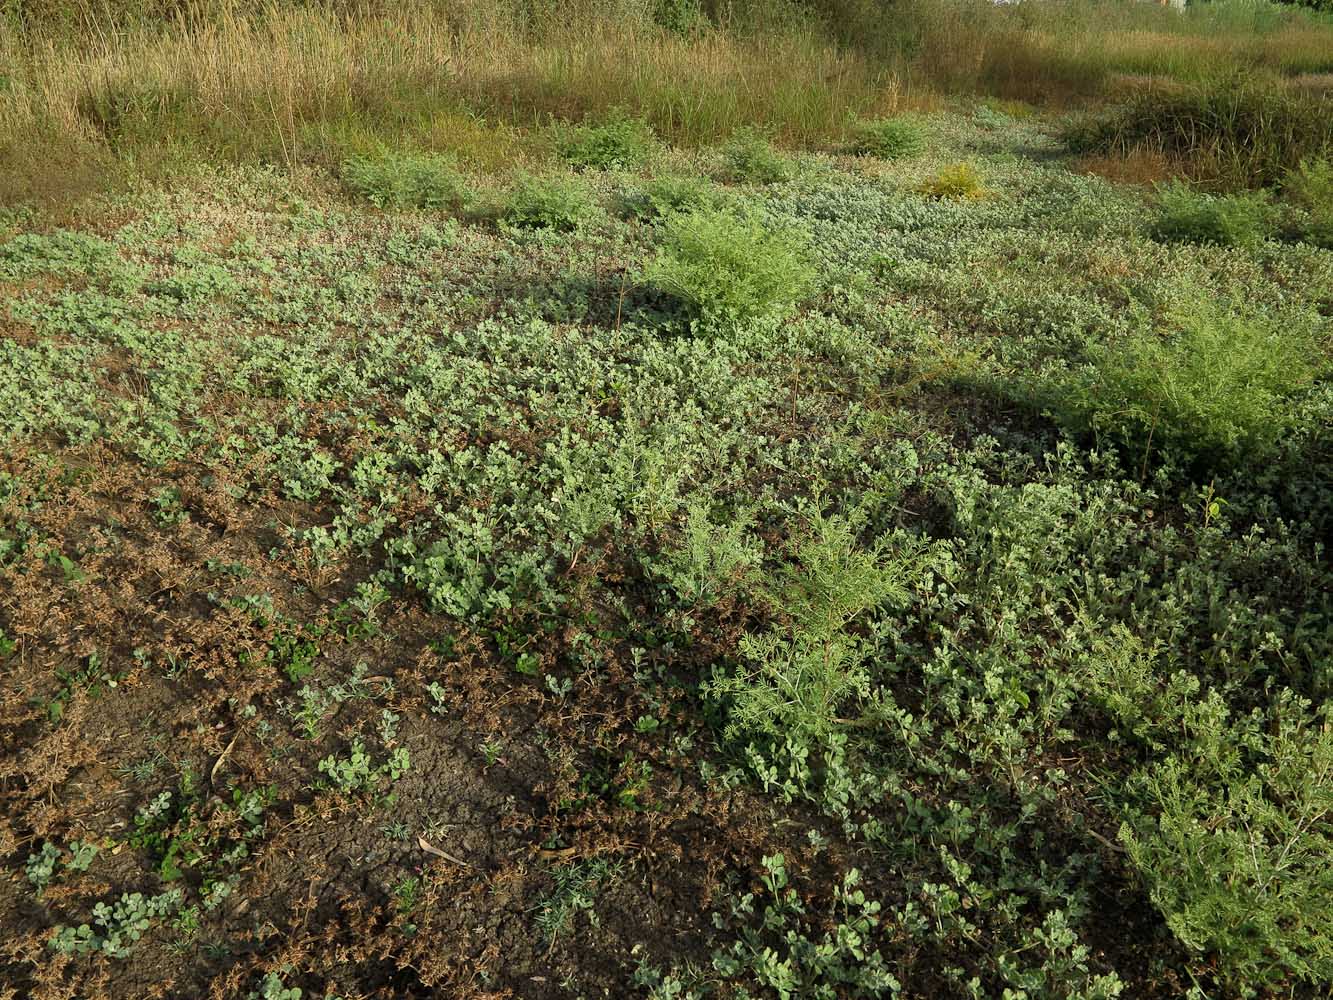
(1069, 51)
(1237, 132)
(94, 88)
(293, 83)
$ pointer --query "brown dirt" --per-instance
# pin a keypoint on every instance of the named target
(316, 892)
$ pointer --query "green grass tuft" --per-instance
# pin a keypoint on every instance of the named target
(1239, 130)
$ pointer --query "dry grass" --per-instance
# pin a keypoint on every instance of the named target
(1142, 167)
(1235, 132)
(691, 90)
(111, 87)
(1061, 52)
(299, 84)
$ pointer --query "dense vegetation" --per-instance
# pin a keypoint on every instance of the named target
(790, 549)
(96, 94)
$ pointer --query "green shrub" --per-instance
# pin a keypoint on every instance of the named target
(1310, 186)
(405, 181)
(957, 181)
(1215, 388)
(710, 559)
(679, 16)
(800, 673)
(620, 141)
(1189, 216)
(663, 196)
(730, 266)
(548, 203)
(1235, 848)
(750, 157)
(889, 138)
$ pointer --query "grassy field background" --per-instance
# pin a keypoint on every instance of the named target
(93, 92)
(640, 500)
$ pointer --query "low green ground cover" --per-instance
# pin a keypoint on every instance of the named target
(744, 575)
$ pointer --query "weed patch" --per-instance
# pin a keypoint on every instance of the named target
(797, 678)
(1215, 387)
(116, 927)
(749, 157)
(357, 772)
(961, 181)
(406, 181)
(889, 138)
(1234, 850)
(620, 141)
(884, 593)
(663, 196)
(1310, 187)
(548, 203)
(728, 266)
(1185, 214)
